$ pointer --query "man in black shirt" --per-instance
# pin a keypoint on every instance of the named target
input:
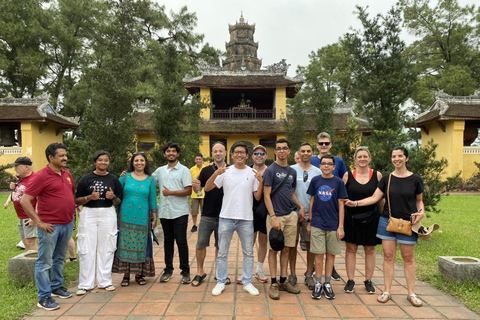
(212, 204)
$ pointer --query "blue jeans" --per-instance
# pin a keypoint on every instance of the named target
(52, 250)
(244, 229)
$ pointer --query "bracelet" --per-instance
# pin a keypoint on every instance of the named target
(356, 203)
(114, 198)
(86, 199)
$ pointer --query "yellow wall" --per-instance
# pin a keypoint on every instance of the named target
(205, 98)
(205, 145)
(280, 103)
(34, 144)
(450, 144)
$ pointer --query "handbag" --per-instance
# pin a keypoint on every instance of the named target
(397, 225)
(261, 209)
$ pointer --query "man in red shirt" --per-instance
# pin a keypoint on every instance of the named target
(27, 229)
(54, 188)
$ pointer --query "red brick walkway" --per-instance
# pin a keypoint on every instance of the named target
(173, 300)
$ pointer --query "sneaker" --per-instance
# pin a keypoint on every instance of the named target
(185, 278)
(21, 245)
(167, 275)
(109, 288)
(349, 287)
(328, 291)
(251, 289)
(48, 304)
(261, 277)
(273, 292)
(218, 289)
(61, 292)
(239, 281)
(335, 275)
(287, 286)
(81, 292)
(369, 286)
(194, 229)
(310, 282)
(303, 245)
(292, 279)
(317, 291)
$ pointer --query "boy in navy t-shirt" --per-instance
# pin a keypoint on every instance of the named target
(326, 227)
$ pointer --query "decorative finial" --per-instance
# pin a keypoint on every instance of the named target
(242, 20)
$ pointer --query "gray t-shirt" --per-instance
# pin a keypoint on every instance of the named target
(282, 201)
(302, 187)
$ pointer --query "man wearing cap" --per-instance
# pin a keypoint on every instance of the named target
(26, 227)
(260, 226)
(54, 188)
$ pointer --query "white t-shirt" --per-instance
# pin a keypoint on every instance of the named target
(238, 186)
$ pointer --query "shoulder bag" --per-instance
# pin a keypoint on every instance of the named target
(261, 210)
(395, 224)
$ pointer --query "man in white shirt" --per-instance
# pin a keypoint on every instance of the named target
(239, 182)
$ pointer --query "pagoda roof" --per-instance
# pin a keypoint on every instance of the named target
(33, 110)
(448, 107)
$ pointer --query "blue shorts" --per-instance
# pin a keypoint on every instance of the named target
(383, 234)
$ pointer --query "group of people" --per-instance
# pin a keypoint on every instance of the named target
(316, 198)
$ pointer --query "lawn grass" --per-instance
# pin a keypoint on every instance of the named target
(459, 235)
(458, 220)
(18, 299)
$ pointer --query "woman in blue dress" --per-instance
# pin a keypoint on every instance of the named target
(137, 219)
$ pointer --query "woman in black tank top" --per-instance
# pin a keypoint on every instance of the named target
(361, 223)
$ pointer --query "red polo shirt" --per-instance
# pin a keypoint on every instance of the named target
(54, 193)
(19, 191)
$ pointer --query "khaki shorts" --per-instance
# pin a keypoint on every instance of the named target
(302, 229)
(195, 206)
(26, 232)
(288, 225)
(322, 241)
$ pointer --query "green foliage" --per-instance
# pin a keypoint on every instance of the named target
(5, 178)
(473, 183)
(447, 55)
(423, 161)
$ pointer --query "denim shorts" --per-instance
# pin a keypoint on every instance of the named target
(383, 234)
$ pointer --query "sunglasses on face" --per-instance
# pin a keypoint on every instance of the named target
(259, 153)
(321, 144)
(305, 176)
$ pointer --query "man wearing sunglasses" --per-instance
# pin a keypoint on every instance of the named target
(324, 144)
(305, 173)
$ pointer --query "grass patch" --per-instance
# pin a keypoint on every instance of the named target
(459, 221)
(18, 299)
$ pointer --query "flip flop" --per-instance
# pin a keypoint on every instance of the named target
(384, 297)
(414, 300)
(227, 281)
(197, 280)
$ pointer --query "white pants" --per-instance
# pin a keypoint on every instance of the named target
(96, 242)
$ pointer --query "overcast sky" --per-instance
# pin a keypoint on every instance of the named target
(285, 29)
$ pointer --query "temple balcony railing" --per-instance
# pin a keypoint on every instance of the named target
(10, 150)
(242, 113)
(471, 150)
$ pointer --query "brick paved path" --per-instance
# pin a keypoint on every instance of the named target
(173, 300)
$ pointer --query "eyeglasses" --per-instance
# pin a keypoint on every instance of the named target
(305, 176)
(321, 144)
(137, 153)
(327, 164)
(239, 152)
(282, 149)
(259, 153)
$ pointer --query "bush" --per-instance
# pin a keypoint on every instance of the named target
(473, 183)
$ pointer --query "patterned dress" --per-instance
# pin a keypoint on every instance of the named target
(134, 249)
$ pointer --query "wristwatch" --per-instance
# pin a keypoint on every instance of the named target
(114, 198)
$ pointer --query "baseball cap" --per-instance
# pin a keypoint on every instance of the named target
(260, 147)
(276, 240)
(22, 160)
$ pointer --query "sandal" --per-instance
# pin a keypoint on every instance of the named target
(71, 260)
(140, 280)
(227, 281)
(384, 297)
(125, 281)
(414, 300)
(197, 280)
